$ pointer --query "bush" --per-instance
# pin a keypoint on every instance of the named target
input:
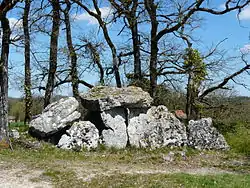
(239, 140)
(225, 127)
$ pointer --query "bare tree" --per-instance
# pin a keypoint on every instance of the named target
(53, 51)
(5, 7)
(95, 56)
(27, 79)
(129, 9)
(98, 16)
(173, 19)
(72, 52)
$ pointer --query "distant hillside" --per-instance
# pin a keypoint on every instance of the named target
(16, 106)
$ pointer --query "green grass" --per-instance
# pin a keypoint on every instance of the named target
(20, 126)
(171, 180)
(59, 167)
(49, 153)
(63, 179)
(239, 140)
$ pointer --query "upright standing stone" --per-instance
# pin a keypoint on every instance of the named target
(158, 128)
(116, 133)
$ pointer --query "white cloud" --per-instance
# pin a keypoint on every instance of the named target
(15, 23)
(15, 26)
(245, 14)
(222, 7)
(106, 11)
(245, 49)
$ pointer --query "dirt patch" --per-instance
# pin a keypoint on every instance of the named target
(15, 174)
(21, 177)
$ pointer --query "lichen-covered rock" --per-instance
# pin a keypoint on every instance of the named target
(158, 128)
(82, 134)
(55, 117)
(103, 98)
(115, 134)
(202, 135)
(14, 134)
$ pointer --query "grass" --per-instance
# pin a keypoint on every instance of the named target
(239, 140)
(63, 168)
(20, 126)
(63, 179)
(171, 180)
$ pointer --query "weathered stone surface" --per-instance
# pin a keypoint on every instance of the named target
(82, 134)
(158, 128)
(103, 98)
(202, 135)
(14, 134)
(55, 117)
(115, 134)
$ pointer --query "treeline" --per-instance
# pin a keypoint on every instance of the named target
(160, 52)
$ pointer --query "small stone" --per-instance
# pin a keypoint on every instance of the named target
(14, 134)
(169, 157)
(180, 114)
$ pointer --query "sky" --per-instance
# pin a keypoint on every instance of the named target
(213, 30)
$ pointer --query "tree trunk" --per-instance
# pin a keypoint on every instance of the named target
(136, 49)
(53, 52)
(4, 79)
(153, 67)
(151, 9)
(192, 110)
(133, 24)
(27, 82)
(73, 55)
(116, 71)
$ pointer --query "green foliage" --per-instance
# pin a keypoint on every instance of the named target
(17, 110)
(20, 126)
(239, 139)
(194, 62)
(17, 107)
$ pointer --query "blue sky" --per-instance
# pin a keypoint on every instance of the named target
(213, 29)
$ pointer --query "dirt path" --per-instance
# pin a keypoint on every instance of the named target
(23, 176)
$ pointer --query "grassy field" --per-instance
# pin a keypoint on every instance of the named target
(43, 164)
(128, 168)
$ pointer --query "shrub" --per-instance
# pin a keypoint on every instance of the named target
(239, 140)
